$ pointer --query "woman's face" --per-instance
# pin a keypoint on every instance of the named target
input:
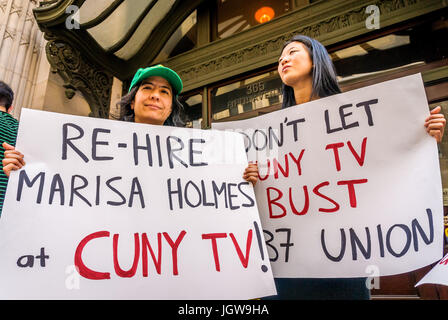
(153, 101)
(294, 64)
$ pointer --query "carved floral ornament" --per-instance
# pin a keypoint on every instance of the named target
(78, 74)
(62, 56)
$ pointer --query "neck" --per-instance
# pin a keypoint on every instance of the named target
(3, 108)
(303, 90)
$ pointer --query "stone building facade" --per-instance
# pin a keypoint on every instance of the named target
(24, 66)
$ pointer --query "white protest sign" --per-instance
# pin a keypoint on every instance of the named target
(105, 209)
(348, 182)
(438, 274)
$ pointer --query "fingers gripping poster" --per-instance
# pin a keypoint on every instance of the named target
(112, 210)
(350, 184)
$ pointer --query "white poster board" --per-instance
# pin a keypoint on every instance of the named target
(438, 274)
(105, 209)
(348, 183)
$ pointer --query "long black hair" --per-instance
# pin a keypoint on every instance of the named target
(324, 75)
(174, 119)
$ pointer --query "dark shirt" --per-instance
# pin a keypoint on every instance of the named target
(321, 289)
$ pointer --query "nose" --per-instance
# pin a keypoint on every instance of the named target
(284, 60)
(154, 95)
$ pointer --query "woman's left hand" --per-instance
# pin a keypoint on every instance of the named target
(435, 123)
(251, 173)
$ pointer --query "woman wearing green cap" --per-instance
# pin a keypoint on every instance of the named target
(151, 99)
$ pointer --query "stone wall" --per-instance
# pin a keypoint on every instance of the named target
(21, 44)
(24, 65)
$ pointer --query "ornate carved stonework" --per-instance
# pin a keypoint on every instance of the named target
(267, 49)
(78, 74)
(331, 22)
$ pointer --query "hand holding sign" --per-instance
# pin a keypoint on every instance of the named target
(140, 211)
(342, 189)
(435, 123)
(251, 173)
(13, 159)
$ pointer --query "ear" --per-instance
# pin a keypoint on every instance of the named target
(132, 105)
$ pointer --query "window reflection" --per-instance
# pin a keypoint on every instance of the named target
(193, 111)
(413, 47)
(246, 95)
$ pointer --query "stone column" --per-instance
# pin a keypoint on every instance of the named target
(115, 96)
(20, 49)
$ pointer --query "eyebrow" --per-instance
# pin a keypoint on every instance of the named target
(150, 82)
(294, 47)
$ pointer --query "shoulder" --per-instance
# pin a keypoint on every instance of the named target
(8, 122)
(7, 117)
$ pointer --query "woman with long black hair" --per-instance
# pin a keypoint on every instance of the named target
(307, 74)
(306, 70)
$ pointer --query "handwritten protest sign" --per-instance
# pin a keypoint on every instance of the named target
(348, 182)
(112, 210)
(438, 274)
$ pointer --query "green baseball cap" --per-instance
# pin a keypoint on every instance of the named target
(159, 71)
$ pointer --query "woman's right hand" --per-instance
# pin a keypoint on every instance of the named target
(13, 159)
(251, 173)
